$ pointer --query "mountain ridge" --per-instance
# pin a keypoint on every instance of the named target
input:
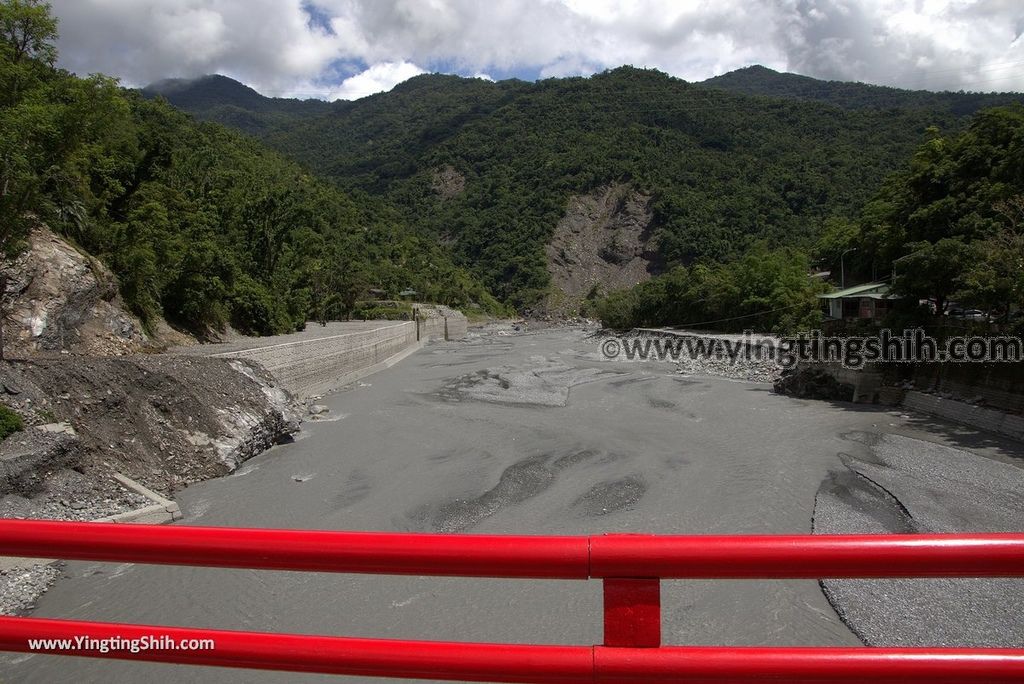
(754, 79)
(222, 99)
(759, 80)
(724, 170)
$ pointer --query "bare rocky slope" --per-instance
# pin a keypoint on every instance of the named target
(602, 243)
(60, 300)
(95, 403)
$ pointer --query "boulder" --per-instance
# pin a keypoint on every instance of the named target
(812, 383)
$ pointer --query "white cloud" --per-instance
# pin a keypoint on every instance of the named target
(274, 45)
(266, 43)
(376, 79)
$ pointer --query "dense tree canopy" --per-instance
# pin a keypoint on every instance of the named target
(453, 187)
(726, 171)
(764, 82)
(765, 290)
(950, 226)
(201, 224)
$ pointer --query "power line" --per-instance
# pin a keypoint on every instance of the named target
(737, 318)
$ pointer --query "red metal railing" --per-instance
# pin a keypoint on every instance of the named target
(629, 565)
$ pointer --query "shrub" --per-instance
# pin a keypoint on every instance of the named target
(10, 422)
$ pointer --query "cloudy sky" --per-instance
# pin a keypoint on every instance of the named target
(347, 49)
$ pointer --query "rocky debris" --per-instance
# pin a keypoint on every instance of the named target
(441, 310)
(318, 410)
(685, 351)
(164, 421)
(42, 476)
(900, 485)
(64, 493)
(812, 383)
(611, 497)
(27, 458)
(544, 382)
(602, 243)
(751, 370)
(437, 311)
(21, 586)
(57, 428)
(448, 182)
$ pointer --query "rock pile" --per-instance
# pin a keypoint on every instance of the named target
(21, 586)
(812, 383)
(752, 370)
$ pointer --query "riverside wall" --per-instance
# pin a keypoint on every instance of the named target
(325, 357)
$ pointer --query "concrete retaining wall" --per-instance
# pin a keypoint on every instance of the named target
(440, 323)
(456, 327)
(980, 417)
(1001, 385)
(322, 358)
(313, 366)
(431, 328)
(866, 381)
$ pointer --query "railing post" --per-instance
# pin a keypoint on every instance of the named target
(632, 612)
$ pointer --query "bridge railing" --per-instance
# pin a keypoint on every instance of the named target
(630, 566)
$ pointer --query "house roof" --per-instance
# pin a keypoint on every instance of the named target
(871, 290)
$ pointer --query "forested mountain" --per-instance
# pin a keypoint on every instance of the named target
(201, 224)
(725, 171)
(762, 81)
(948, 226)
(455, 187)
(224, 100)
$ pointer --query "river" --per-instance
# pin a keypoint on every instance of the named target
(532, 434)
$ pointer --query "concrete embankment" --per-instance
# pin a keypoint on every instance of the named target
(980, 417)
(314, 361)
(321, 358)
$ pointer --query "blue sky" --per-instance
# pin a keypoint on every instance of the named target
(347, 49)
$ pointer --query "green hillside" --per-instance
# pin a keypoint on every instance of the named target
(726, 170)
(201, 224)
(949, 226)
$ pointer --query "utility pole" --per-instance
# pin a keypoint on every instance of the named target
(842, 267)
